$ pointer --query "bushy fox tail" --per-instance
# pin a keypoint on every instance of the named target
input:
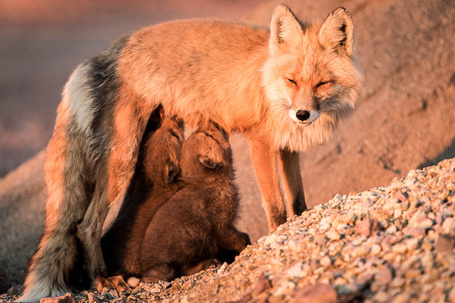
(94, 134)
(51, 269)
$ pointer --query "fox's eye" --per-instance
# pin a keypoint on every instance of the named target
(322, 83)
(292, 81)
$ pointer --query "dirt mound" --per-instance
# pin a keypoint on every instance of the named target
(405, 119)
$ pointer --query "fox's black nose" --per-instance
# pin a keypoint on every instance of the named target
(302, 115)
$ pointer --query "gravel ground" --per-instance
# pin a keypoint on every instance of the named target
(387, 244)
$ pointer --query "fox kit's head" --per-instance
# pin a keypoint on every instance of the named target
(207, 154)
(163, 150)
(311, 70)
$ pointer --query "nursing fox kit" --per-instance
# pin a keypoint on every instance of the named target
(285, 88)
(180, 225)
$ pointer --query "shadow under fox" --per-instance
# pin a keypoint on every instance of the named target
(177, 227)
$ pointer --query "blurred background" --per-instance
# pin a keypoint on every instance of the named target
(42, 41)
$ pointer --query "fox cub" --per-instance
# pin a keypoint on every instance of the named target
(185, 233)
(195, 228)
(153, 183)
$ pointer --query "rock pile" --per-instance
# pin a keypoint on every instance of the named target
(387, 244)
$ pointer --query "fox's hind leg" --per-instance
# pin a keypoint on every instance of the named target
(291, 178)
(89, 232)
(130, 117)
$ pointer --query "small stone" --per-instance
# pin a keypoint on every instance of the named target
(133, 282)
(92, 298)
(345, 219)
(397, 213)
(326, 262)
(427, 246)
(318, 293)
(416, 232)
(445, 243)
(270, 239)
(114, 293)
(325, 227)
(155, 289)
(341, 227)
(397, 282)
(400, 196)
(401, 298)
(392, 229)
(448, 226)
(381, 296)
(412, 273)
(427, 223)
(387, 274)
(399, 248)
(452, 267)
(68, 298)
(367, 226)
(375, 249)
(297, 271)
(360, 251)
(452, 295)
(411, 243)
(321, 241)
(340, 281)
(262, 284)
(332, 235)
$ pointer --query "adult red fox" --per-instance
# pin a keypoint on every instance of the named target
(284, 88)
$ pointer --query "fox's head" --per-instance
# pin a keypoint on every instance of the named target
(311, 70)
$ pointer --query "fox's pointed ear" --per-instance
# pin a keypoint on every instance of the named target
(337, 32)
(285, 29)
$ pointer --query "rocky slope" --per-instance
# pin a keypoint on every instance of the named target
(387, 244)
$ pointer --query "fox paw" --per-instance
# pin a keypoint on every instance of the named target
(113, 282)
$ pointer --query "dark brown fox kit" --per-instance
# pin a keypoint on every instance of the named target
(195, 228)
(159, 237)
(153, 183)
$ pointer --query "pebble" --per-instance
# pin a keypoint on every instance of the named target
(399, 248)
(332, 235)
(375, 249)
(318, 293)
(326, 262)
(445, 243)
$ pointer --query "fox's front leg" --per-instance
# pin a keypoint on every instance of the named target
(265, 165)
(289, 163)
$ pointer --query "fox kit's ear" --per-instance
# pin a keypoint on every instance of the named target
(285, 29)
(171, 171)
(337, 32)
